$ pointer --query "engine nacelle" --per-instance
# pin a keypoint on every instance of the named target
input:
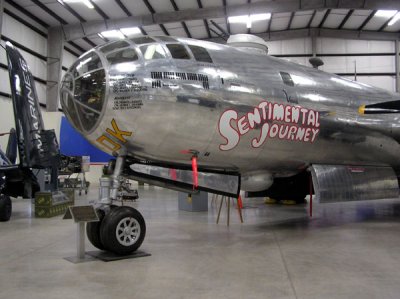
(256, 181)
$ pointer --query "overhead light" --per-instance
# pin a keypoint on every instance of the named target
(260, 17)
(86, 2)
(395, 19)
(249, 19)
(238, 19)
(385, 13)
(112, 34)
(130, 31)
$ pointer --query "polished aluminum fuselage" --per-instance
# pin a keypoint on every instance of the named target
(174, 114)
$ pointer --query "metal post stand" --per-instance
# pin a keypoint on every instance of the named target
(80, 240)
(81, 215)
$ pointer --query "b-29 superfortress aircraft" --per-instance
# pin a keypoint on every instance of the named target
(194, 115)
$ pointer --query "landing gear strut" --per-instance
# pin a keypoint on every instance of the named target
(120, 229)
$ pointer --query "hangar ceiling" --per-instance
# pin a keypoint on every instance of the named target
(83, 20)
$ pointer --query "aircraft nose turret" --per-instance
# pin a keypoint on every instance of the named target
(83, 92)
(102, 73)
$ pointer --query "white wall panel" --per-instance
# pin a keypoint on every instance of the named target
(23, 35)
(331, 45)
(292, 46)
(52, 120)
(41, 92)
(6, 116)
(68, 59)
(341, 46)
(381, 46)
(25, 17)
(365, 64)
(5, 82)
(384, 82)
(197, 29)
(36, 65)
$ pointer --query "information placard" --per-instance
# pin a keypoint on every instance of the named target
(84, 214)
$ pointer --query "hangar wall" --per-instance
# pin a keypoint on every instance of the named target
(375, 61)
(32, 42)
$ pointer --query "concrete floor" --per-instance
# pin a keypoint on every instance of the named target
(347, 250)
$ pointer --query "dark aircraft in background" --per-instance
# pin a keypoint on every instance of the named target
(37, 148)
(193, 115)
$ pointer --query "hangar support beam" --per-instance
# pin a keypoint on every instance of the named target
(80, 30)
(332, 33)
(55, 46)
(397, 64)
(1, 15)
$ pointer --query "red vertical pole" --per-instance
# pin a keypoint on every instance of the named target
(240, 207)
(240, 203)
(311, 192)
(195, 173)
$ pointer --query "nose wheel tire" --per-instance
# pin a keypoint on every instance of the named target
(122, 231)
(93, 230)
(5, 208)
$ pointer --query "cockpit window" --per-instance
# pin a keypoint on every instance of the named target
(126, 55)
(154, 51)
(115, 45)
(142, 40)
(287, 79)
(86, 64)
(178, 51)
(67, 102)
(200, 54)
(87, 116)
(89, 90)
(166, 39)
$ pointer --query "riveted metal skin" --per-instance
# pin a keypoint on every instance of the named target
(156, 109)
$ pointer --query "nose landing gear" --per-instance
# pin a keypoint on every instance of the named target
(120, 229)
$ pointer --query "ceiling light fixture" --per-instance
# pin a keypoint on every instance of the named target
(260, 17)
(86, 2)
(249, 19)
(112, 34)
(385, 13)
(395, 19)
(130, 31)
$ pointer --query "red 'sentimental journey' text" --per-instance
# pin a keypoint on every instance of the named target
(293, 123)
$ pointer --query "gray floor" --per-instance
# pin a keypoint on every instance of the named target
(346, 251)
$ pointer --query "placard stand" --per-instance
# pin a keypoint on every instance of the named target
(81, 215)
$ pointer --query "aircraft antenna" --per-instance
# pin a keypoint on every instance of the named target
(355, 70)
